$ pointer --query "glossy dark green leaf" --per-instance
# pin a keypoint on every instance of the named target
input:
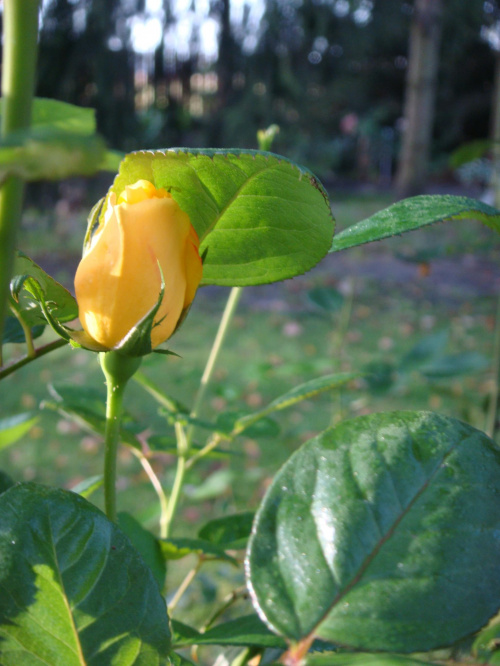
(382, 534)
(146, 544)
(12, 428)
(414, 213)
(260, 218)
(73, 590)
(230, 532)
(304, 391)
(183, 634)
(327, 298)
(247, 630)
(175, 549)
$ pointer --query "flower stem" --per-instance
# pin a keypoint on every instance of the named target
(229, 310)
(20, 31)
(155, 482)
(40, 351)
(184, 586)
(117, 370)
(184, 438)
(173, 501)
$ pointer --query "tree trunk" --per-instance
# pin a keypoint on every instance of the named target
(421, 85)
(495, 132)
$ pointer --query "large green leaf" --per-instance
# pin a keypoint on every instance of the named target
(260, 217)
(414, 213)
(73, 591)
(382, 534)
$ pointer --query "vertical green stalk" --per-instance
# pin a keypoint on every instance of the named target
(117, 370)
(229, 310)
(20, 35)
(183, 438)
(173, 500)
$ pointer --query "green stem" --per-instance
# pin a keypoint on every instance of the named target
(232, 598)
(41, 351)
(20, 33)
(171, 405)
(30, 347)
(173, 501)
(184, 438)
(117, 370)
(155, 482)
(184, 586)
(229, 310)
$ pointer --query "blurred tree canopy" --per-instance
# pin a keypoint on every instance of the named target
(330, 73)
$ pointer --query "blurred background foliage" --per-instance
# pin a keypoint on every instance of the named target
(331, 73)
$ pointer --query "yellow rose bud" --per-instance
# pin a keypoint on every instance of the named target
(118, 280)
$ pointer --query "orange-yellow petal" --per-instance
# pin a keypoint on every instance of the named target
(118, 280)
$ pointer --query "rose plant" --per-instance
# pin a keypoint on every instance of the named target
(377, 539)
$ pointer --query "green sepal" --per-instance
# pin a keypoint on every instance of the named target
(92, 222)
(137, 342)
(117, 368)
(166, 352)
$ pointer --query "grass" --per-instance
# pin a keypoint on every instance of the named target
(279, 339)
